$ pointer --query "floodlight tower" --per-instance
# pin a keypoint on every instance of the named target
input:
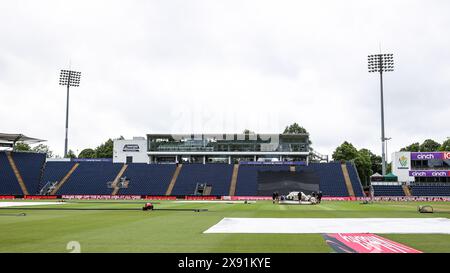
(68, 78)
(387, 153)
(381, 63)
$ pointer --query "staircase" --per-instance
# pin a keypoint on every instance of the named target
(406, 190)
(17, 173)
(234, 180)
(348, 182)
(65, 178)
(117, 179)
(207, 190)
(174, 179)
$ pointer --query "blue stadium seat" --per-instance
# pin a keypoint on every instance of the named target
(430, 190)
(148, 179)
(356, 183)
(154, 179)
(8, 181)
(388, 190)
(216, 175)
(332, 181)
(31, 168)
(91, 178)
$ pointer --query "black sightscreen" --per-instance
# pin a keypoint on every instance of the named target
(284, 182)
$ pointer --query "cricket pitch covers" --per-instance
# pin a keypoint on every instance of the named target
(332, 225)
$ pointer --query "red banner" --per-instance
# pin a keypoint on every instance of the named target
(7, 197)
(243, 198)
(338, 198)
(163, 197)
(102, 197)
(193, 197)
(40, 197)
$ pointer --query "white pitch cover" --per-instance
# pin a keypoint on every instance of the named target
(332, 225)
(21, 204)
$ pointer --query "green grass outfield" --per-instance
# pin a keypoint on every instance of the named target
(182, 231)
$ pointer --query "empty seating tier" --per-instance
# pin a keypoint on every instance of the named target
(147, 179)
(354, 178)
(216, 175)
(31, 167)
(8, 181)
(430, 190)
(155, 179)
(388, 190)
(331, 179)
(91, 178)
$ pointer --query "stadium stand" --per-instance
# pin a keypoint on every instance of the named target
(91, 178)
(20, 172)
(55, 171)
(284, 182)
(116, 184)
(216, 175)
(234, 180)
(247, 179)
(388, 190)
(430, 190)
(148, 179)
(31, 168)
(348, 182)
(9, 184)
(174, 179)
(155, 179)
(331, 178)
(354, 178)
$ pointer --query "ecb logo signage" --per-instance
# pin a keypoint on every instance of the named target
(130, 148)
(403, 160)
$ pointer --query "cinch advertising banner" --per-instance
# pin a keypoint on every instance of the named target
(428, 156)
(429, 173)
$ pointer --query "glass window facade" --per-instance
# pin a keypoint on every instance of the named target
(228, 143)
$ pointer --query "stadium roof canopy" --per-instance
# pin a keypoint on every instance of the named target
(13, 138)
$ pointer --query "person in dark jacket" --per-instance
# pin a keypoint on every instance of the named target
(319, 196)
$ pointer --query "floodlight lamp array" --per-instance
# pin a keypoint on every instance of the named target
(70, 78)
(380, 63)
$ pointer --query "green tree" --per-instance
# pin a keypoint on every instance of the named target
(389, 168)
(22, 147)
(365, 161)
(87, 153)
(297, 129)
(415, 147)
(374, 159)
(105, 150)
(445, 147)
(71, 154)
(429, 145)
(364, 165)
(345, 152)
(42, 148)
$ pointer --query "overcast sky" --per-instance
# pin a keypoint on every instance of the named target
(223, 66)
